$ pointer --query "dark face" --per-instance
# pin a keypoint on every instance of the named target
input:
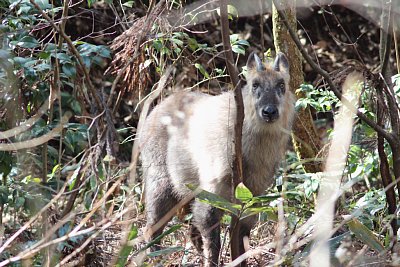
(267, 86)
(268, 94)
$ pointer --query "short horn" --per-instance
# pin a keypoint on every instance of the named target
(259, 65)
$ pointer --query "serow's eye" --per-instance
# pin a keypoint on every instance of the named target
(256, 85)
(282, 87)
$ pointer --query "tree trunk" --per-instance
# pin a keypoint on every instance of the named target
(306, 142)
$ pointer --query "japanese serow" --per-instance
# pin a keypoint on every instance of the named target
(189, 139)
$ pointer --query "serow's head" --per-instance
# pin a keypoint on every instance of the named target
(268, 84)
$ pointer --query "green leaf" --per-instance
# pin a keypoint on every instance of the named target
(177, 42)
(267, 198)
(104, 52)
(21, 60)
(123, 255)
(193, 44)
(133, 232)
(233, 38)
(69, 70)
(217, 201)
(157, 44)
(202, 70)
(53, 172)
(73, 177)
(242, 193)
(42, 67)
(93, 182)
(219, 71)
(301, 103)
(243, 42)
(43, 4)
(97, 60)
(6, 162)
(165, 51)
(177, 50)
(24, 10)
(306, 88)
(172, 229)
(165, 251)
(91, 2)
(233, 11)
(128, 4)
(127, 249)
(26, 42)
(50, 47)
(19, 202)
(87, 199)
(64, 58)
(365, 235)
(87, 61)
(3, 194)
(238, 49)
(269, 212)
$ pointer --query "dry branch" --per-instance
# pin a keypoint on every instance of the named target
(390, 106)
(37, 141)
(128, 53)
(237, 174)
(335, 164)
(33, 219)
(75, 52)
(28, 123)
(306, 141)
(325, 75)
(136, 148)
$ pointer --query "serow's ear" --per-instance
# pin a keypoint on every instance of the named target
(281, 63)
(255, 62)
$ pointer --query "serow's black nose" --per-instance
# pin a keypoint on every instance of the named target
(270, 113)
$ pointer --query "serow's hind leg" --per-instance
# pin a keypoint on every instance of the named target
(195, 237)
(160, 200)
(245, 227)
(207, 219)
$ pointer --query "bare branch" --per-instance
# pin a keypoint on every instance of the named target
(37, 141)
(33, 219)
(28, 123)
(147, 24)
(75, 52)
(237, 167)
(335, 165)
(391, 139)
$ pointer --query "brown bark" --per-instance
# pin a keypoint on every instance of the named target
(306, 142)
(393, 114)
(237, 156)
(387, 181)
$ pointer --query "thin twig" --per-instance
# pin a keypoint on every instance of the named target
(262, 41)
(74, 51)
(107, 223)
(136, 147)
(396, 45)
(28, 123)
(391, 139)
(33, 219)
(298, 240)
(351, 43)
(150, 18)
(34, 142)
(237, 168)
